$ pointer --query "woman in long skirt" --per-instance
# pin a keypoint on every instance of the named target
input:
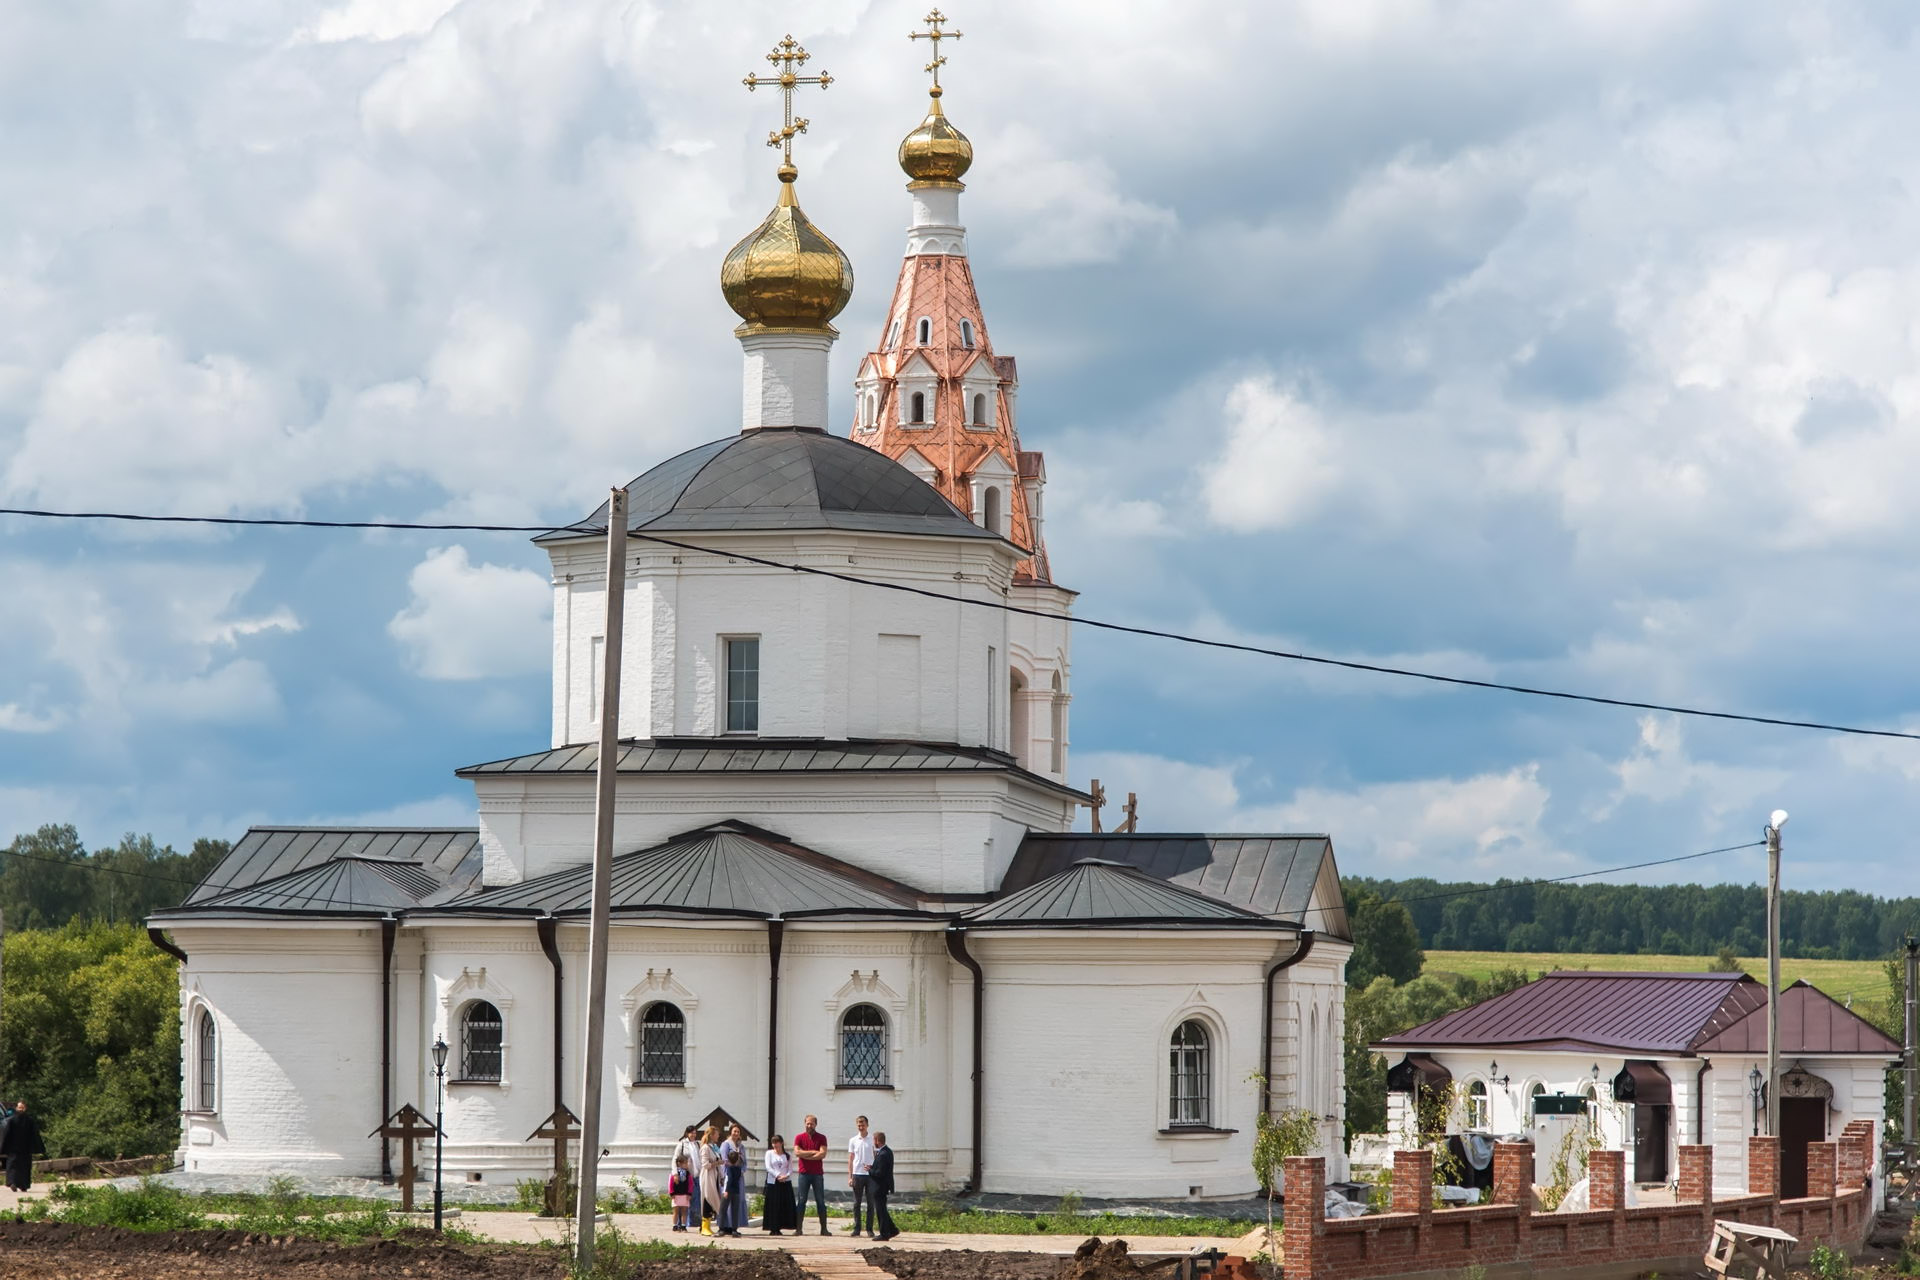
(709, 1178)
(780, 1213)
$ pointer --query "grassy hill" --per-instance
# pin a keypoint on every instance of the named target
(1863, 981)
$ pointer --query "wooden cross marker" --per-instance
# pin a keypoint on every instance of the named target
(561, 1127)
(1132, 810)
(787, 55)
(407, 1126)
(1099, 794)
(936, 35)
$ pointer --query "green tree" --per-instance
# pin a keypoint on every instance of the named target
(1724, 961)
(1384, 940)
(90, 1037)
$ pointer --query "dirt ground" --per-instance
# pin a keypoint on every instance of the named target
(58, 1251)
(1093, 1260)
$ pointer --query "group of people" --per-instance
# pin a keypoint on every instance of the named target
(19, 1144)
(709, 1186)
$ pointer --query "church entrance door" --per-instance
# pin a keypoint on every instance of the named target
(1802, 1120)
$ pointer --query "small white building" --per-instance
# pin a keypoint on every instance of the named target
(1651, 1061)
(846, 881)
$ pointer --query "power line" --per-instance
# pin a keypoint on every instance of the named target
(1348, 664)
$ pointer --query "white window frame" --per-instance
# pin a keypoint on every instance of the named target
(203, 1075)
(1478, 1107)
(640, 1077)
(1199, 1114)
(473, 984)
(923, 331)
(966, 333)
(725, 709)
(840, 1078)
(461, 1046)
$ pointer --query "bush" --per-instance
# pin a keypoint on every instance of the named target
(1830, 1264)
(151, 1206)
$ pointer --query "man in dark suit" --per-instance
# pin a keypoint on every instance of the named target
(880, 1186)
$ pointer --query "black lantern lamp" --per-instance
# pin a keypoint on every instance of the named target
(1493, 1074)
(439, 1122)
(1757, 1086)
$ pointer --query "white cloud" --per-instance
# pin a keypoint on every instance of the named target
(1279, 466)
(15, 718)
(377, 20)
(1070, 211)
(473, 621)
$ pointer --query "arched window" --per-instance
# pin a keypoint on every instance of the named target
(1189, 1089)
(1477, 1115)
(1534, 1095)
(893, 334)
(482, 1037)
(980, 408)
(919, 404)
(926, 330)
(966, 335)
(990, 509)
(1059, 710)
(208, 1036)
(863, 1046)
(663, 1045)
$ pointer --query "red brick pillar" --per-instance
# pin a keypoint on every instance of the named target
(1413, 1192)
(1513, 1184)
(1305, 1223)
(1763, 1170)
(1695, 1183)
(1823, 1169)
(1855, 1154)
(1607, 1180)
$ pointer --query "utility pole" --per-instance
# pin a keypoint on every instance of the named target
(1911, 1075)
(1777, 821)
(605, 773)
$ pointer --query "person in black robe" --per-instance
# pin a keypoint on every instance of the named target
(880, 1186)
(19, 1144)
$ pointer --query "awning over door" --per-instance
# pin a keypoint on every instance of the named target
(1417, 1069)
(1641, 1081)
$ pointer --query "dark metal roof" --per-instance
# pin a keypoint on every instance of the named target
(770, 755)
(1811, 1023)
(450, 854)
(1269, 875)
(729, 869)
(1664, 1013)
(782, 478)
(351, 886)
(1096, 892)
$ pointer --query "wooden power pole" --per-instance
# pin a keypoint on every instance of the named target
(606, 772)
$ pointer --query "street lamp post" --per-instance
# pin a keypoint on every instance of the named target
(1777, 820)
(439, 1122)
(1754, 1088)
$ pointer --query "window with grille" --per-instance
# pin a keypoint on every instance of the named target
(1190, 1095)
(1477, 1114)
(482, 1038)
(743, 685)
(208, 1036)
(663, 1045)
(863, 1046)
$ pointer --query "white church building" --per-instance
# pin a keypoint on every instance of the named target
(846, 879)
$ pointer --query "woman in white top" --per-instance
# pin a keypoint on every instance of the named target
(689, 1146)
(710, 1188)
(780, 1213)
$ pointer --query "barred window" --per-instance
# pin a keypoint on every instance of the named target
(482, 1036)
(863, 1046)
(663, 1045)
(208, 1045)
(1190, 1094)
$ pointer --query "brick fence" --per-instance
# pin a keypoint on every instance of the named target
(1415, 1237)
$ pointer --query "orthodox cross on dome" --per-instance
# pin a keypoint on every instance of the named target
(788, 56)
(935, 20)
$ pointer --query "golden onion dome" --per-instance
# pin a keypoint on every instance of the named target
(786, 274)
(936, 153)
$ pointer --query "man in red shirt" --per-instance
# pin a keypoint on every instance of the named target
(810, 1151)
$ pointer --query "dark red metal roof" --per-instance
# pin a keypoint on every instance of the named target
(1811, 1023)
(1664, 1013)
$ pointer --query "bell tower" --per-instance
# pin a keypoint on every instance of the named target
(935, 397)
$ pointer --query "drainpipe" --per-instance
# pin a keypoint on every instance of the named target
(776, 933)
(162, 941)
(957, 948)
(1700, 1102)
(1300, 952)
(389, 930)
(549, 930)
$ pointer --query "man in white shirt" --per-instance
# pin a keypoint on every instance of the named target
(859, 1164)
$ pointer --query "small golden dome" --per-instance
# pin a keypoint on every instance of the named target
(936, 154)
(786, 274)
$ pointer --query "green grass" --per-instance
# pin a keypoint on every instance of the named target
(972, 1222)
(153, 1206)
(1863, 980)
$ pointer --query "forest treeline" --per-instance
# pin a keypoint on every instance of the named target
(1628, 919)
(49, 878)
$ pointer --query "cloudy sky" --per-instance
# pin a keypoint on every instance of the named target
(1570, 344)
